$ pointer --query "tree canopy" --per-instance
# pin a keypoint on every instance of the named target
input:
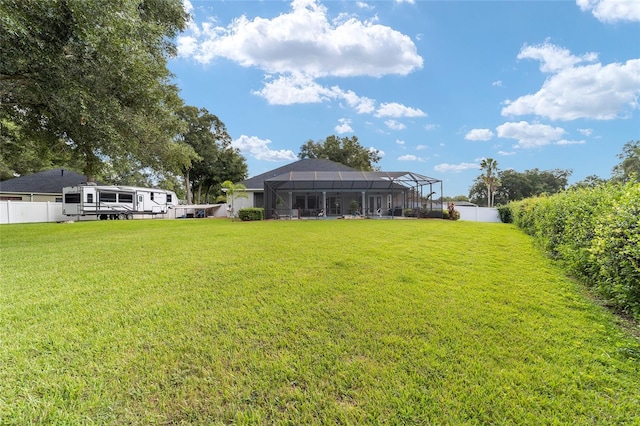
(92, 74)
(24, 153)
(346, 150)
(629, 166)
(217, 160)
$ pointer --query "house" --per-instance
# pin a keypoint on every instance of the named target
(318, 187)
(42, 186)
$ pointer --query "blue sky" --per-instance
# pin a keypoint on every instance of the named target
(436, 86)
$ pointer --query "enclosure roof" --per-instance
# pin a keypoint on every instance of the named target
(346, 180)
(304, 165)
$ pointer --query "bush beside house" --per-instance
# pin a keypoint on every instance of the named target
(251, 213)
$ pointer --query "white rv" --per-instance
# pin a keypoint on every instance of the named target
(115, 202)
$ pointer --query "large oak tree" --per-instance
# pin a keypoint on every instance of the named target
(347, 151)
(217, 160)
(93, 74)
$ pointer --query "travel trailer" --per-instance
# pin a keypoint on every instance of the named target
(115, 202)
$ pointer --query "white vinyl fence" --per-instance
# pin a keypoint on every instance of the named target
(49, 211)
(478, 214)
(28, 212)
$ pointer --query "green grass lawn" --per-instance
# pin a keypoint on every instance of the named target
(302, 322)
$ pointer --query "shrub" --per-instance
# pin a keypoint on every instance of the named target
(453, 214)
(251, 213)
(505, 214)
(615, 250)
(595, 233)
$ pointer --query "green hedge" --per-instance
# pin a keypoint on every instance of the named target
(595, 233)
(251, 213)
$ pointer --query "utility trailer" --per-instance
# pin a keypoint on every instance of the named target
(115, 202)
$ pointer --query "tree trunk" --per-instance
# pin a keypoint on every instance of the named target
(187, 186)
(489, 195)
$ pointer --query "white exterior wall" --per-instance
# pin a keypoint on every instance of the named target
(240, 203)
(478, 214)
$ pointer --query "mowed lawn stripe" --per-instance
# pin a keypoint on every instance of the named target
(301, 322)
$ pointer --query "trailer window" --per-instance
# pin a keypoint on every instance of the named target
(125, 198)
(152, 195)
(72, 198)
(168, 198)
(107, 197)
(89, 198)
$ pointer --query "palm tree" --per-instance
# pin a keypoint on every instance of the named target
(490, 166)
(233, 190)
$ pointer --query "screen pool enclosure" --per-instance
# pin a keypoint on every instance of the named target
(338, 193)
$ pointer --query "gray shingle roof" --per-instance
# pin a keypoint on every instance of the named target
(305, 165)
(46, 182)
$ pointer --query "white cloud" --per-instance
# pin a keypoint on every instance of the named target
(479, 135)
(187, 6)
(294, 89)
(497, 83)
(395, 125)
(363, 5)
(362, 104)
(410, 157)
(187, 45)
(399, 142)
(304, 40)
(596, 91)
(445, 167)
(259, 149)
(421, 147)
(612, 10)
(554, 58)
(430, 127)
(506, 153)
(530, 135)
(298, 88)
(344, 126)
(394, 109)
(405, 1)
(381, 153)
(586, 132)
(567, 142)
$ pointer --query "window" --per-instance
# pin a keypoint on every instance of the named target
(152, 196)
(168, 198)
(72, 198)
(107, 197)
(9, 198)
(125, 198)
(312, 202)
(258, 199)
(89, 198)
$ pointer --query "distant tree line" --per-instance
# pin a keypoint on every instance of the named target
(498, 187)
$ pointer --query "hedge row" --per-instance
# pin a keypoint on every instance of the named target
(594, 232)
(251, 213)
